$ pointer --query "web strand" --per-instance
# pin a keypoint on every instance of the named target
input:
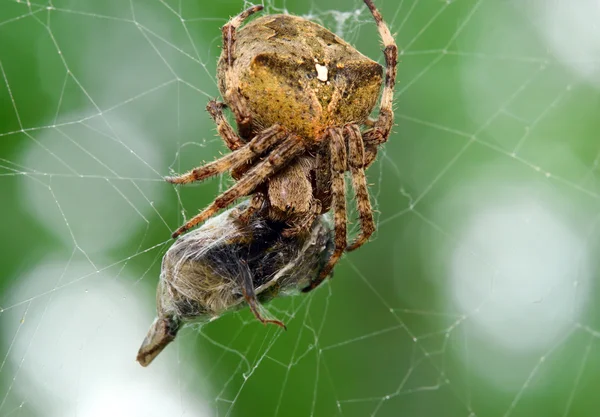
(475, 297)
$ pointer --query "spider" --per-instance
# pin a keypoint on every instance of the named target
(300, 95)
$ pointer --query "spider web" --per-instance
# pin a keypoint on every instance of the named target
(475, 298)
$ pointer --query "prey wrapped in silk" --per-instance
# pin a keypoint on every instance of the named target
(226, 265)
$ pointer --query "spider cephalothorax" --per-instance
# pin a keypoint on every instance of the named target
(299, 95)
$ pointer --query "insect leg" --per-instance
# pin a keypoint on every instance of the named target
(250, 297)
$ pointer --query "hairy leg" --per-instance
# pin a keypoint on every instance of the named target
(277, 159)
(229, 34)
(232, 96)
(356, 162)
(337, 149)
(225, 130)
(259, 144)
(382, 126)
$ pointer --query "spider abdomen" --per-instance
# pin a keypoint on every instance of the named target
(294, 72)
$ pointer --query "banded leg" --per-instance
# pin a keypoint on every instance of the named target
(232, 96)
(356, 162)
(258, 145)
(225, 130)
(277, 159)
(382, 126)
(337, 149)
(250, 296)
(229, 34)
(227, 133)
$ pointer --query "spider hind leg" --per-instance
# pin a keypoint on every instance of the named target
(230, 28)
(382, 126)
(232, 96)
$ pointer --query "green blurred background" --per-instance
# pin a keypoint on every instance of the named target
(476, 297)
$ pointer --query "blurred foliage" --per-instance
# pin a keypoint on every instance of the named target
(482, 107)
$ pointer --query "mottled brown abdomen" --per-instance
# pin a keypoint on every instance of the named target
(296, 73)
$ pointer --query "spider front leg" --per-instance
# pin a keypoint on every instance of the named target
(232, 95)
(259, 144)
(337, 149)
(356, 162)
(277, 159)
(382, 126)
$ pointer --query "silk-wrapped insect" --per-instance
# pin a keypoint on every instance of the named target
(227, 264)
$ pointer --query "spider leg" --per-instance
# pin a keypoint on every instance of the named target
(356, 162)
(382, 126)
(277, 159)
(304, 222)
(256, 203)
(337, 150)
(233, 97)
(259, 144)
(229, 29)
(250, 296)
(225, 130)
(370, 122)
